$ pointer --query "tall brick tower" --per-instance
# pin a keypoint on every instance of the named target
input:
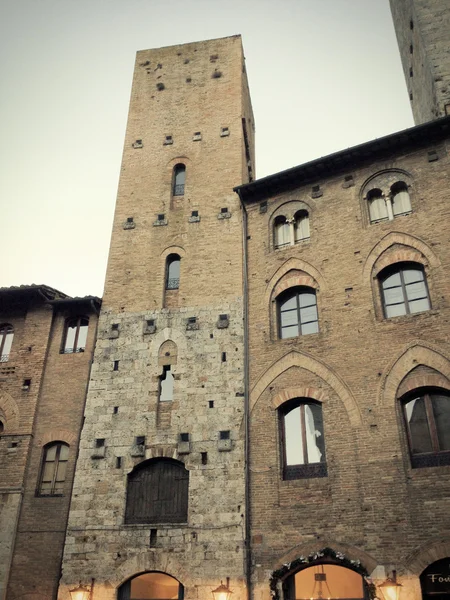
(158, 501)
(422, 28)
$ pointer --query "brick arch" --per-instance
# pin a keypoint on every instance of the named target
(421, 377)
(168, 353)
(183, 159)
(304, 361)
(57, 435)
(288, 209)
(384, 179)
(11, 412)
(422, 557)
(350, 552)
(292, 264)
(412, 249)
(293, 279)
(298, 392)
(416, 353)
(173, 250)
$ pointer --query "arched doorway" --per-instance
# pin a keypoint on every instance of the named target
(325, 581)
(435, 581)
(151, 586)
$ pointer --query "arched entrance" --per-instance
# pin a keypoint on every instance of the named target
(435, 581)
(151, 586)
(325, 581)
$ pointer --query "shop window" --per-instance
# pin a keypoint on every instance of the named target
(173, 272)
(297, 312)
(404, 290)
(385, 207)
(427, 420)
(6, 339)
(75, 335)
(325, 581)
(157, 492)
(302, 439)
(151, 586)
(301, 226)
(281, 232)
(179, 179)
(53, 470)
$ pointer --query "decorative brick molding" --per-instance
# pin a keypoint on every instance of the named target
(351, 552)
(292, 264)
(11, 411)
(412, 382)
(404, 240)
(58, 435)
(300, 392)
(394, 255)
(293, 280)
(424, 556)
(416, 353)
(304, 361)
(152, 561)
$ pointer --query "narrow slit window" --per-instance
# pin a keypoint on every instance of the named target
(166, 381)
(179, 179)
(173, 272)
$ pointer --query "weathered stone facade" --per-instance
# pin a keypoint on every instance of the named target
(189, 107)
(422, 28)
(370, 504)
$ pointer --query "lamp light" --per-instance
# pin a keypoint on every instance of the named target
(390, 589)
(222, 592)
(82, 592)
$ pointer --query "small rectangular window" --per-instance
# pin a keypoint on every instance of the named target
(161, 217)
(224, 435)
(211, 403)
(99, 442)
(204, 456)
(263, 207)
(194, 213)
(140, 440)
(153, 537)
(130, 219)
(116, 365)
(26, 385)
(150, 322)
(224, 132)
(224, 210)
(184, 437)
(118, 462)
(115, 326)
(223, 317)
(192, 320)
(224, 357)
(115, 410)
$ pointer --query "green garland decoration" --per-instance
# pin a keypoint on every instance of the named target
(315, 558)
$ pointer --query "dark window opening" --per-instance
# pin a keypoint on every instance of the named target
(75, 335)
(179, 180)
(153, 537)
(2, 426)
(194, 213)
(116, 365)
(115, 410)
(173, 272)
(224, 435)
(184, 437)
(161, 217)
(224, 357)
(130, 220)
(118, 462)
(140, 440)
(26, 385)
(224, 210)
(99, 442)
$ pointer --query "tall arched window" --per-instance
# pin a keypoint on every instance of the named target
(301, 226)
(404, 289)
(281, 232)
(427, 420)
(151, 586)
(377, 206)
(401, 202)
(6, 339)
(173, 272)
(179, 179)
(157, 492)
(302, 439)
(75, 335)
(297, 312)
(53, 470)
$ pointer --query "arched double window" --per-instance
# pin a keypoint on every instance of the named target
(401, 202)
(404, 289)
(151, 586)
(427, 420)
(303, 443)
(385, 206)
(301, 226)
(157, 492)
(287, 232)
(6, 339)
(75, 335)
(377, 206)
(297, 312)
(173, 264)
(179, 179)
(53, 470)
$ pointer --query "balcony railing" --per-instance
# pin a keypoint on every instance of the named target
(178, 190)
(4, 358)
(72, 350)
(173, 284)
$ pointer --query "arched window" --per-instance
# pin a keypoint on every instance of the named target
(378, 210)
(325, 581)
(427, 420)
(75, 335)
(179, 179)
(301, 226)
(303, 439)
(157, 492)
(173, 272)
(281, 232)
(151, 586)
(401, 202)
(297, 312)
(53, 470)
(404, 289)
(6, 339)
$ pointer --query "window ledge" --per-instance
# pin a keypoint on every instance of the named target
(420, 315)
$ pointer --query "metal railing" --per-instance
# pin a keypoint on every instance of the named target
(4, 358)
(72, 350)
(178, 190)
(173, 284)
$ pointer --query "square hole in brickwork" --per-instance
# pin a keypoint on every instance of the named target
(263, 207)
(224, 132)
(140, 440)
(211, 403)
(99, 442)
(204, 456)
(118, 462)
(161, 217)
(194, 213)
(26, 385)
(153, 537)
(184, 437)
(130, 219)
(224, 210)
(116, 365)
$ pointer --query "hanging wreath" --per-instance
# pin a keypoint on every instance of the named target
(313, 559)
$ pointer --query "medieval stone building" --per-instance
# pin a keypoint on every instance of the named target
(269, 398)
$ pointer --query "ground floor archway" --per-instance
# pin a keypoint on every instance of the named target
(152, 585)
(435, 580)
(325, 581)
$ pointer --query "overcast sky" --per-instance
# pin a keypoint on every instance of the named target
(324, 75)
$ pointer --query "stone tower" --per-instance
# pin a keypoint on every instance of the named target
(159, 495)
(422, 28)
